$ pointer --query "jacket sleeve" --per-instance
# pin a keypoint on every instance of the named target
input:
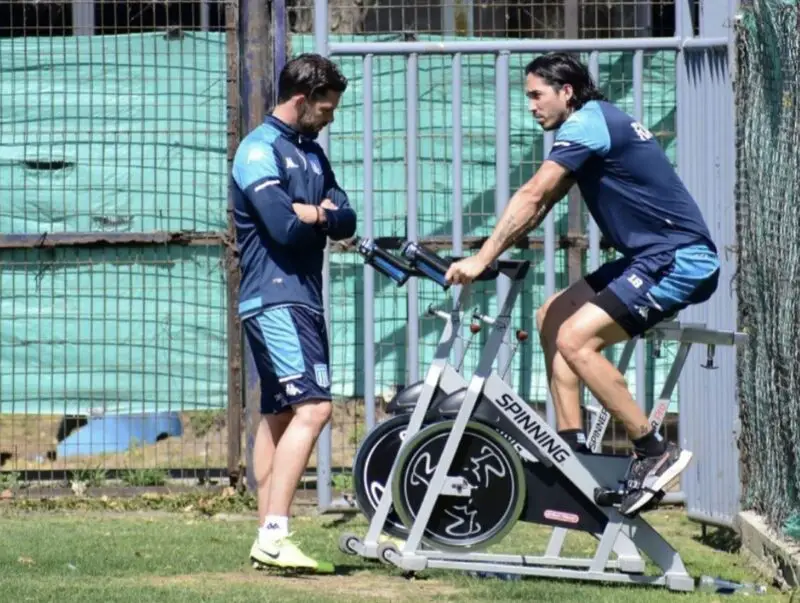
(258, 173)
(341, 222)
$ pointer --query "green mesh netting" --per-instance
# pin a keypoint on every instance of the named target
(768, 106)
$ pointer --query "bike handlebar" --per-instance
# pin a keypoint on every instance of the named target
(435, 266)
(385, 263)
(416, 260)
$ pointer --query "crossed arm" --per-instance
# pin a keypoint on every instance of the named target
(525, 211)
(334, 214)
(288, 222)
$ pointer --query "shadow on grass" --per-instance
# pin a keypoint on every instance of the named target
(720, 539)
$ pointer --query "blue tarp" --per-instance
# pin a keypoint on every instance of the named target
(139, 126)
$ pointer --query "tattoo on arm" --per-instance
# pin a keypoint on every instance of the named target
(525, 211)
(513, 225)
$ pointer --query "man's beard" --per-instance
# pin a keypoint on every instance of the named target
(305, 123)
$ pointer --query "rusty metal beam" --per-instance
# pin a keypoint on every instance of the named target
(107, 239)
(579, 242)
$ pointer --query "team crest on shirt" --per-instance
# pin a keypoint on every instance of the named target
(316, 167)
(321, 374)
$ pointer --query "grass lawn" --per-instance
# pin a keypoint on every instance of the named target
(109, 557)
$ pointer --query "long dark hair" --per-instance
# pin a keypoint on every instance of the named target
(559, 68)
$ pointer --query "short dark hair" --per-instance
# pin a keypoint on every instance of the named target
(559, 68)
(311, 75)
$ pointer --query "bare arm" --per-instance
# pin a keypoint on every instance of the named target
(527, 208)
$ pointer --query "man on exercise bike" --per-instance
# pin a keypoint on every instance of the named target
(646, 213)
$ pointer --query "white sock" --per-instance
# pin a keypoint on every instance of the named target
(275, 526)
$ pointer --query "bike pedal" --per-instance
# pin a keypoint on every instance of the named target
(607, 497)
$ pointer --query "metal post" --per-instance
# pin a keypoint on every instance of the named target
(549, 269)
(324, 495)
(205, 17)
(412, 133)
(458, 189)
(641, 346)
(594, 231)
(369, 232)
(706, 163)
(502, 116)
(83, 17)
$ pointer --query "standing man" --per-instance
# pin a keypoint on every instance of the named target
(646, 213)
(287, 203)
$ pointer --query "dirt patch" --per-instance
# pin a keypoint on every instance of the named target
(359, 585)
(28, 443)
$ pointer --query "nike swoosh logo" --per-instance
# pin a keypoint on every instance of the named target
(268, 554)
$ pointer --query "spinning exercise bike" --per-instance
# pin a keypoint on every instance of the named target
(378, 450)
(459, 484)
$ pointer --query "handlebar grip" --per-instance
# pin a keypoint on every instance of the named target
(427, 262)
(384, 262)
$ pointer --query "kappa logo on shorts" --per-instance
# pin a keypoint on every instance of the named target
(321, 374)
(293, 390)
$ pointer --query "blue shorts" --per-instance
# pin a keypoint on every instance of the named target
(640, 292)
(290, 348)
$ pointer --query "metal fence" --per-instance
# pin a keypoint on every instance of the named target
(116, 269)
(118, 276)
(417, 110)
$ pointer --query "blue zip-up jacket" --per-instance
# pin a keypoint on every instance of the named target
(280, 256)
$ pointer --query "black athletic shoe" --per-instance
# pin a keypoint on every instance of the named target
(649, 475)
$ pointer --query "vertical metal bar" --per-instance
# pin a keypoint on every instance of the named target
(574, 202)
(643, 18)
(412, 133)
(638, 115)
(706, 163)
(324, 495)
(369, 232)
(449, 18)
(83, 17)
(458, 189)
(549, 267)
(683, 20)
(571, 19)
(205, 17)
(502, 176)
(684, 126)
(594, 231)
